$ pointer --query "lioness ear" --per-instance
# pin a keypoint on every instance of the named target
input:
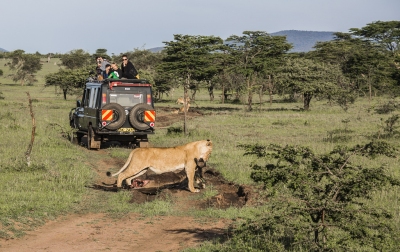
(209, 142)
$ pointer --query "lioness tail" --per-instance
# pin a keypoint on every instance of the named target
(124, 167)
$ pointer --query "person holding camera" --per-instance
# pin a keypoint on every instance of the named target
(101, 63)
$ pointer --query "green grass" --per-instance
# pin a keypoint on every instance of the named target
(59, 178)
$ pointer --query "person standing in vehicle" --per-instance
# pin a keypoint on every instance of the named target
(115, 72)
(101, 63)
(101, 67)
(128, 69)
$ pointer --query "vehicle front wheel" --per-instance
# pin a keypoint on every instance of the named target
(90, 137)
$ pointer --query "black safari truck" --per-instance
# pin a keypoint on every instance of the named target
(114, 110)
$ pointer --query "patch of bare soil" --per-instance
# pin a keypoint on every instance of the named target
(167, 116)
(97, 232)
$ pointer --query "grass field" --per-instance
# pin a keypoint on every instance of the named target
(55, 183)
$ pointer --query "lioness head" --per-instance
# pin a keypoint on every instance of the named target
(206, 150)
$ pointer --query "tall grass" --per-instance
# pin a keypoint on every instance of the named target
(58, 174)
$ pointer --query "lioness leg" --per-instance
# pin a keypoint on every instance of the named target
(190, 171)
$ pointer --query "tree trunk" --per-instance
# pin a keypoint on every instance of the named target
(307, 99)
(250, 94)
(369, 87)
(211, 91)
(270, 89)
(185, 96)
(65, 94)
(260, 96)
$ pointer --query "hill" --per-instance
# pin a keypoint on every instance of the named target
(303, 41)
(3, 50)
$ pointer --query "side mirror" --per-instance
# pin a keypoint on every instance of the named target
(78, 103)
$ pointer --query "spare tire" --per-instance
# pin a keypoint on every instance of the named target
(119, 116)
(137, 114)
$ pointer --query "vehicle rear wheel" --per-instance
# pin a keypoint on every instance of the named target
(136, 116)
(119, 116)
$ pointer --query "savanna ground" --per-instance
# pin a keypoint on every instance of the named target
(60, 202)
(99, 232)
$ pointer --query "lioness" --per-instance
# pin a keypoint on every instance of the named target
(161, 160)
(180, 100)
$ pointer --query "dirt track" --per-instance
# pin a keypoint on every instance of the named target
(96, 232)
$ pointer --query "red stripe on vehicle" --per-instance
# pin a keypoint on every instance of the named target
(149, 115)
(106, 115)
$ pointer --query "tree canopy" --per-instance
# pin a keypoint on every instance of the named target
(255, 52)
(24, 66)
(316, 202)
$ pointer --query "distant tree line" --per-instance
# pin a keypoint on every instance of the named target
(365, 61)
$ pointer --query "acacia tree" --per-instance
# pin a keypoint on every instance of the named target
(78, 67)
(313, 79)
(189, 58)
(225, 78)
(24, 66)
(318, 202)
(76, 59)
(68, 79)
(252, 53)
(386, 34)
(365, 63)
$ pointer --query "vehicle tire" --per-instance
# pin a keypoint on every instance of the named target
(136, 116)
(119, 113)
(79, 137)
(89, 137)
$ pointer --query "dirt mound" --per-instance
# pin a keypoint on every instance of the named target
(227, 194)
(174, 186)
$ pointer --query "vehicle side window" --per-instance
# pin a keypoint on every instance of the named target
(92, 101)
(87, 97)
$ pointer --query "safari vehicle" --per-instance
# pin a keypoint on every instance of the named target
(114, 110)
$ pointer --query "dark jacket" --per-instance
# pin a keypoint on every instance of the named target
(129, 71)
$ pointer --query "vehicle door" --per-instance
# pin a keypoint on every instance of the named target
(91, 105)
(79, 115)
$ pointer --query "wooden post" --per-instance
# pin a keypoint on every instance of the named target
(29, 150)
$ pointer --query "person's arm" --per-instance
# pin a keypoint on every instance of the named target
(132, 70)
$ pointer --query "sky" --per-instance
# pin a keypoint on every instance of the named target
(54, 26)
